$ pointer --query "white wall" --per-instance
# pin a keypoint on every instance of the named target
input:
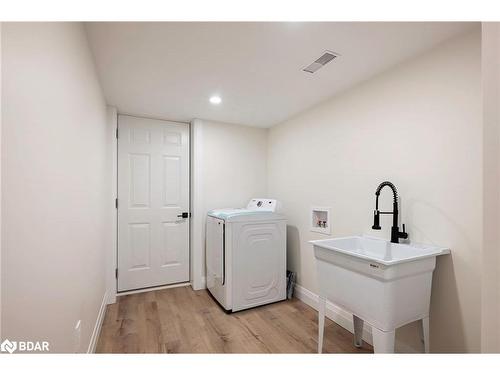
(490, 338)
(419, 126)
(228, 167)
(0, 182)
(55, 185)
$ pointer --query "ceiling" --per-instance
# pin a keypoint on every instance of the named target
(169, 70)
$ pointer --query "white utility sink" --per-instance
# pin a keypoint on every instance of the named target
(385, 284)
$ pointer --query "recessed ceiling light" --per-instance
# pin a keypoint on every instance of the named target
(215, 99)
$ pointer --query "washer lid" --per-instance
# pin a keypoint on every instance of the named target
(244, 214)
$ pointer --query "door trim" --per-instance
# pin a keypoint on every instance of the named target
(112, 256)
(152, 118)
(197, 241)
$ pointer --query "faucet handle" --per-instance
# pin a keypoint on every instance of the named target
(403, 234)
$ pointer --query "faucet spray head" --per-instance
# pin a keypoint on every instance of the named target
(376, 220)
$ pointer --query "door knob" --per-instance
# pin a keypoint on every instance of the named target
(184, 215)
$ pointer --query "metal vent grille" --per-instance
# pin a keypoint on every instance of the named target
(321, 62)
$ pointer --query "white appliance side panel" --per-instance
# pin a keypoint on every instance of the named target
(259, 263)
(216, 272)
(214, 245)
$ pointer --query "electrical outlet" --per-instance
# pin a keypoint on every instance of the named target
(77, 336)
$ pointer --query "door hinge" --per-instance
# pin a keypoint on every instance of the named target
(116, 203)
(116, 273)
(116, 133)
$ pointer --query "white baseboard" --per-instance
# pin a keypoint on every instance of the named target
(333, 312)
(98, 325)
(344, 318)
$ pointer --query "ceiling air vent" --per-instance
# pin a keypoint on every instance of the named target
(321, 62)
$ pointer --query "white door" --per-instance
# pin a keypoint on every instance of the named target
(153, 194)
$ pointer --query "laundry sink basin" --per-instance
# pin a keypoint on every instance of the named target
(378, 250)
(384, 284)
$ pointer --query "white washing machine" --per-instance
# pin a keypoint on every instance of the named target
(246, 255)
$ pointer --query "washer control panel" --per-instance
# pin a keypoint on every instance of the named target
(263, 204)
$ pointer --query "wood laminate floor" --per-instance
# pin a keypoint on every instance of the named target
(180, 320)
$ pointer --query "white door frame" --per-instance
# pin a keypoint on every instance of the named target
(198, 211)
(112, 258)
(0, 182)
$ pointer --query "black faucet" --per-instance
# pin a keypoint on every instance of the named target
(395, 233)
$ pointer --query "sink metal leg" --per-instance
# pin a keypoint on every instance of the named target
(358, 331)
(383, 342)
(424, 333)
(321, 323)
